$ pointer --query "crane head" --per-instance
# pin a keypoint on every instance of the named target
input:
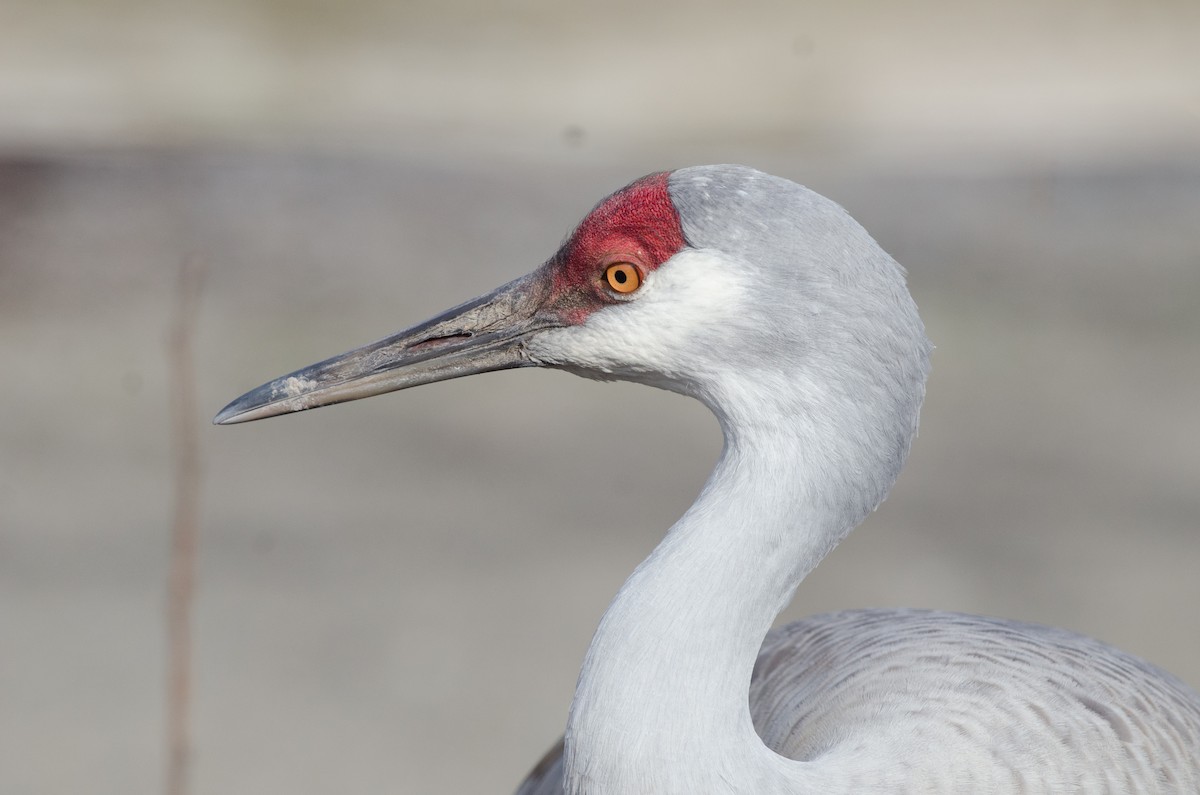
(697, 280)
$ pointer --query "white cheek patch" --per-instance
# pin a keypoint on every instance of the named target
(660, 330)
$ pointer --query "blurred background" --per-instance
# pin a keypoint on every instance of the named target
(396, 594)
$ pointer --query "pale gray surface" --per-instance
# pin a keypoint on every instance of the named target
(864, 80)
(395, 595)
(391, 585)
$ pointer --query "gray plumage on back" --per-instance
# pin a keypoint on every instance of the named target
(1011, 699)
(1021, 705)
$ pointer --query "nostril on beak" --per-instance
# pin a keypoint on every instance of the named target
(441, 339)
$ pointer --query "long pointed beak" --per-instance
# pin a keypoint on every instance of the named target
(477, 337)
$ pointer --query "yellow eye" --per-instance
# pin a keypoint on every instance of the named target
(623, 277)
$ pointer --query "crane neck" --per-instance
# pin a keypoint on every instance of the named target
(662, 700)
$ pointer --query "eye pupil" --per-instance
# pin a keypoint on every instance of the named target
(620, 276)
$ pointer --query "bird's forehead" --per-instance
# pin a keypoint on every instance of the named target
(638, 221)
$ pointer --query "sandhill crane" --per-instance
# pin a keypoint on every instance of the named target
(773, 307)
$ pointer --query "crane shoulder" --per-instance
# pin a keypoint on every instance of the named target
(963, 702)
